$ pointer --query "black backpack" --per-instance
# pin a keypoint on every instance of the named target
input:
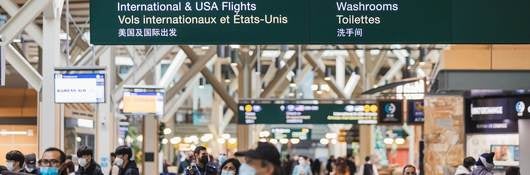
(368, 169)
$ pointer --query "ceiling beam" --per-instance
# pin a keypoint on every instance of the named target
(24, 16)
(139, 72)
(23, 67)
(319, 69)
(278, 77)
(216, 84)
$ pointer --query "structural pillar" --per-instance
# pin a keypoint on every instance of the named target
(524, 145)
(50, 119)
(244, 132)
(150, 145)
(106, 125)
(340, 72)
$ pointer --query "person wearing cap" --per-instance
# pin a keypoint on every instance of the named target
(87, 165)
(30, 164)
(15, 161)
(202, 165)
(484, 164)
(265, 159)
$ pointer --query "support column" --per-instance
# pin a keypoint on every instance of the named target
(244, 132)
(216, 117)
(524, 145)
(106, 125)
(340, 72)
(150, 147)
(50, 119)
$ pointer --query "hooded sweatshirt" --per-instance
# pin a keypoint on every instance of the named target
(484, 165)
(461, 170)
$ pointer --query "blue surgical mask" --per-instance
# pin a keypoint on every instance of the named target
(48, 171)
(246, 169)
(222, 159)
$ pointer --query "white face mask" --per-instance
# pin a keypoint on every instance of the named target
(29, 168)
(82, 162)
(118, 161)
(10, 166)
(224, 172)
(301, 162)
(246, 169)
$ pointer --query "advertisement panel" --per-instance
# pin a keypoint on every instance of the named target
(415, 111)
(495, 114)
(391, 112)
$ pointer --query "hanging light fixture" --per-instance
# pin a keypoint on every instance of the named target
(234, 57)
(201, 83)
(227, 78)
(328, 74)
(319, 89)
(292, 83)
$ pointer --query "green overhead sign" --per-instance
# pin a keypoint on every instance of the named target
(308, 21)
(259, 113)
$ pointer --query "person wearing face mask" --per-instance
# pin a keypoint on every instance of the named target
(15, 161)
(264, 160)
(202, 164)
(303, 167)
(466, 167)
(125, 162)
(484, 164)
(52, 161)
(230, 167)
(87, 165)
(30, 164)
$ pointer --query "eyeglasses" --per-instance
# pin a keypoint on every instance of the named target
(49, 162)
(410, 173)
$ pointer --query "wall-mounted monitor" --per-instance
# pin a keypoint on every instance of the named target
(79, 85)
(143, 100)
(506, 155)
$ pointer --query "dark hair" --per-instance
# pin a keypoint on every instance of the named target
(468, 162)
(198, 149)
(408, 166)
(341, 166)
(513, 170)
(112, 154)
(84, 150)
(16, 156)
(235, 162)
(63, 155)
(367, 158)
(124, 150)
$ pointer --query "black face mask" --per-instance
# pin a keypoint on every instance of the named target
(203, 159)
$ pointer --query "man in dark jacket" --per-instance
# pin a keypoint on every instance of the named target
(124, 161)
(87, 165)
(202, 164)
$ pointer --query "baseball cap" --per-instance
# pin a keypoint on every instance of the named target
(264, 151)
(30, 158)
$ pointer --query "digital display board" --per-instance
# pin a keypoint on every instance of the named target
(416, 111)
(263, 113)
(391, 112)
(495, 114)
(71, 87)
(143, 101)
